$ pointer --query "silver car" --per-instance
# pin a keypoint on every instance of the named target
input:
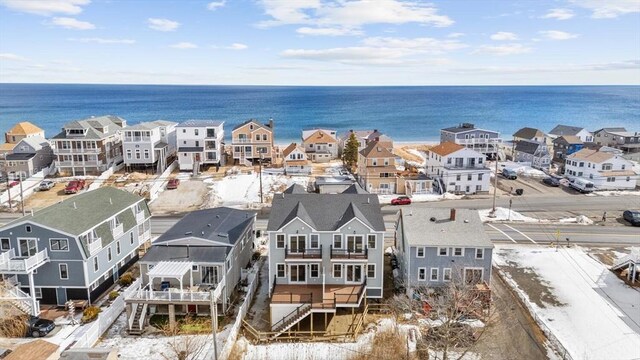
(46, 185)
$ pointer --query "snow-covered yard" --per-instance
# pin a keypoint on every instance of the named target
(615, 193)
(504, 214)
(591, 312)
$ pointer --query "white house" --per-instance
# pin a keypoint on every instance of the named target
(457, 169)
(149, 144)
(321, 145)
(199, 143)
(564, 130)
(606, 170)
(294, 160)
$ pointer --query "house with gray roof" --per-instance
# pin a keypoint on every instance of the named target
(567, 130)
(483, 141)
(149, 145)
(89, 146)
(436, 246)
(29, 156)
(205, 250)
(533, 152)
(325, 252)
(75, 249)
(200, 143)
(619, 138)
(253, 141)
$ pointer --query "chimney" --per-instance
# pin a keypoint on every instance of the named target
(452, 215)
(271, 123)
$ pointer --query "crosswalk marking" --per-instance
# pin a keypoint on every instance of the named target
(521, 233)
(503, 233)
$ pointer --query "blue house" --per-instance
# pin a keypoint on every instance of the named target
(564, 146)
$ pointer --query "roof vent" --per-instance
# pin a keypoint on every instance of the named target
(203, 233)
(217, 216)
(208, 225)
(432, 219)
(466, 221)
(188, 233)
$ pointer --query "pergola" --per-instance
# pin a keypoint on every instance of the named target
(173, 270)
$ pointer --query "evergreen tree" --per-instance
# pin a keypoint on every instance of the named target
(350, 153)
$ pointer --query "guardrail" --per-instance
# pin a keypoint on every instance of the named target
(9, 262)
(310, 253)
(349, 253)
(95, 246)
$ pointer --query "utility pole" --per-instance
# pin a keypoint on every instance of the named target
(495, 190)
(214, 324)
(21, 197)
(260, 163)
(9, 191)
(510, 201)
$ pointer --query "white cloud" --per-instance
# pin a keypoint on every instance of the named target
(559, 14)
(12, 57)
(328, 31)
(237, 46)
(162, 24)
(184, 45)
(504, 36)
(502, 50)
(215, 5)
(610, 66)
(456, 35)
(605, 9)
(104, 41)
(71, 23)
(46, 7)
(351, 14)
(557, 35)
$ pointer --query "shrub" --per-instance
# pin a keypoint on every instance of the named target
(89, 314)
(113, 295)
(126, 279)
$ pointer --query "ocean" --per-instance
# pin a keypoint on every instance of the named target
(408, 114)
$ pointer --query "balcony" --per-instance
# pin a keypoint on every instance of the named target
(478, 141)
(117, 231)
(240, 141)
(465, 167)
(10, 263)
(170, 296)
(140, 217)
(145, 236)
(355, 254)
(328, 296)
(95, 246)
(303, 253)
(137, 138)
(78, 151)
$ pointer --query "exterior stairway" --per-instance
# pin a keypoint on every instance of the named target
(137, 325)
(12, 295)
(632, 258)
(291, 319)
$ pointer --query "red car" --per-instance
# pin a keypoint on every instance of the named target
(14, 183)
(173, 184)
(401, 200)
(74, 186)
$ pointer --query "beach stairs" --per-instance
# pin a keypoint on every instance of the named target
(13, 297)
(137, 324)
(291, 319)
(632, 259)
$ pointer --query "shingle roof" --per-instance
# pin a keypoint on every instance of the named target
(359, 134)
(24, 128)
(446, 148)
(20, 156)
(569, 139)
(149, 125)
(289, 149)
(376, 151)
(295, 189)
(355, 189)
(529, 147)
(7, 147)
(592, 155)
(320, 136)
(200, 123)
(198, 254)
(612, 129)
(326, 212)
(465, 231)
(565, 130)
(255, 122)
(92, 124)
(36, 142)
(528, 133)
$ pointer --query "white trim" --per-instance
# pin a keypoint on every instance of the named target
(51, 244)
(431, 274)
(447, 251)
(333, 241)
(444, 274)
(333, 271)
(374, 271)
(464, 273)
(311, 271)
(453, 252)
(375, 242)
(292, 220)
(284, 242)
(306, 276)
(360, 221)
(425, 273)
(481, 254)
(60, 271)
(311, 242)
(424, 252)
(284, 275)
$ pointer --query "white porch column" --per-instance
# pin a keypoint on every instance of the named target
(32, 292)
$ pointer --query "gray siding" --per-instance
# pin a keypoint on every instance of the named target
(455, 263)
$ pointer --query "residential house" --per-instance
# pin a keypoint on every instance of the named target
(530, 134)
(321, 145)
(457, 169)
(294, 160)
(619, 138)
(535, 153)
(413, 183)
(566, 130)
(364, 137)
(483, 141)
(377, 169)
(200, 143)
(325, 252)
(436, 246)
(252, 141)
(149, 145)
(89, 146)
(74, 249)
(29, 156)
(18, 132)
(334, 184)
(205, 250)
(605, 169)
(565, 145)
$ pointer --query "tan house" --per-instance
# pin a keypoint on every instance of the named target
(294, 160)
(251, 141)
(321, 145)
(18, 132)
(364, 137)
(377, 169)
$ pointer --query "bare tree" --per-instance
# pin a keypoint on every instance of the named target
(184, 345)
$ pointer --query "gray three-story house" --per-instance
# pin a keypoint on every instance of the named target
(75, 249)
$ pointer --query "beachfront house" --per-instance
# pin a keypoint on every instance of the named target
(89, 146)
(206, 250)
(335, 184)
(565, 145)
(530, 134)
(252, 141)
(566, 130)
(619, 138)
(200, 143)
(364, 138)
(607, 170)
(436, 246)
(325, 253)
(484, 141)
(29, 156)
(18, 132)
(149, 145)
(534, 153)
(457, 169)
(377, 169)
(294, 160)
(321, 145)
(74, 249)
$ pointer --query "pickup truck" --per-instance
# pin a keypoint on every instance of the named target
(74, 186)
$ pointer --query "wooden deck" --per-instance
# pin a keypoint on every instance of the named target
(334, 295)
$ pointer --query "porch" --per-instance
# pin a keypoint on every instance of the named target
(333, 295)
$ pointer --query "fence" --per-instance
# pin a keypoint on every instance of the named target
(29, 185)
(161, 180)
(104, 176)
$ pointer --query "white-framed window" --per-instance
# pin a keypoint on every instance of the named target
(314, 270)
(446, 274)
(37, 293)
(5, 244)
(422, 274)
(479, 253)
(129, 155)
(371, 241)
(314, 241)
(281, 270)
(109, 254)
(146, 153)
(443, 251)
(118, 247)
(27, 228)
(280, 240)
(420, 251)
(131, 238)
(59, 244)
(228, 265)
(95, 264)
(371, 271)
(433, 274)
(337, 270)
(458, 251)
(337, 241)
(64, 271)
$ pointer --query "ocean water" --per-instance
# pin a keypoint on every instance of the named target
(404, 113)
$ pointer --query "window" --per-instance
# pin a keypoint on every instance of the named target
(446, 274)
(458, 177)
(434, 274)
(337, 270)
(443, 251)
(194, 268)
(422, 274)
(146, 153)
(469, 177)
(458, 252)
(37, 293)
(479, 253)
(623, 166)
(606, 166)
(280, 270)
(211, 133)
(28, 247)
(131, 238)
(59, 244)
(371, 271)
(420, 251)
(264, 137)
(228, 265)
(195, 132)
(129, 155)
(371, 243)
(109, 255)
(337, 241)
(611, 179)
(4, 244)
(314, 270)
(118, 247)
(280, 241)
(480, 177)
(95, 264)
(64, 271)
(315, 241)
(581, 164)
(28, 228)
(257, 137)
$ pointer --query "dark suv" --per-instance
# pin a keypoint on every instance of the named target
(39, 327)
(632, 216)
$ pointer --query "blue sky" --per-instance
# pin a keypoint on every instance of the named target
(317, 42)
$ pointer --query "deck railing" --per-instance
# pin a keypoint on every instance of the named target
(310, 253)
(9, 262)
(349, 253)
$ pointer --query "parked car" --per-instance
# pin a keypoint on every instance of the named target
(509, 174)
(582, 185)
(551, 181)
(401, 200)
(173, 184)
(14, 183)
(632, 216)
(46, 185)
(39, 327)
(74, 186)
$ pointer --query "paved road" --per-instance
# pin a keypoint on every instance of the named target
(577, 234)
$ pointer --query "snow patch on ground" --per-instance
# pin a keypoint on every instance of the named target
(502, 214)
(580, 219)
(614, 193)
(598, 316)
(151, 348)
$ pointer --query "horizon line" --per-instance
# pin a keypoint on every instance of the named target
(294, 85)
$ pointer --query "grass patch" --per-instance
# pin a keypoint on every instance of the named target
(187, 325)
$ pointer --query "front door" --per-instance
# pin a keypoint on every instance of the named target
(298, 273)
(197, 156)
(354, 273)
(27, 247)
(61, 296)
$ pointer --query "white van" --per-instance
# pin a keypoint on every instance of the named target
(582, 185)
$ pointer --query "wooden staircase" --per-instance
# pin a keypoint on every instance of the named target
(137, 326)
(291, 319)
